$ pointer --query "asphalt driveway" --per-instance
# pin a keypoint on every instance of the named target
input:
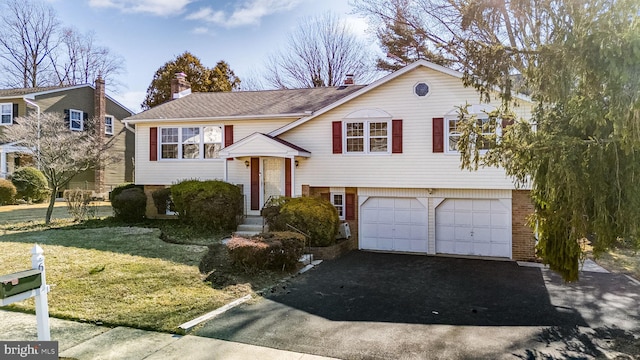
(389, 306)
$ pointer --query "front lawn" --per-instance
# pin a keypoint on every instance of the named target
(621, 260)
(118, 276)
(149, 276)
(12, 214)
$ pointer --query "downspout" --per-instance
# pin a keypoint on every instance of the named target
(38, 138)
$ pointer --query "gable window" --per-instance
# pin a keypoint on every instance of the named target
(453, 133)
(367, 137)
(6, 111)
(75, 120)
(337, 199)
(108, 125)
(194, 142)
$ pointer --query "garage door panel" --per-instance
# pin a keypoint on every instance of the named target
(479, 227)
(463, 218)
(394, 224)
(402, 216)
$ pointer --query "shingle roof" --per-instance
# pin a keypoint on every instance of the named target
(247, 103)
(25, 91)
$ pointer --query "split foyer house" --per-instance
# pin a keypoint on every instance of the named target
(77, 104)
(384, 154)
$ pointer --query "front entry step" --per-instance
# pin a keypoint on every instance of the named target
(252, 225)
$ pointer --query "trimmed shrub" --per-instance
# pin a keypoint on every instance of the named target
(211, 204)
(162, 200)
(120, 188)
(130, 204)
(277, 250)
(78, 202)
(31, 184)
(271, 212)
(7, 192)
(314, 216)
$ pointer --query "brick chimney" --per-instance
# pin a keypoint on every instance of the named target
(99, 113)
(180, 87)
(349, 79)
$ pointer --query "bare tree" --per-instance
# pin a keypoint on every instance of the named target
(320, 52)
(27, 38)
(79, 60)
(60, 153)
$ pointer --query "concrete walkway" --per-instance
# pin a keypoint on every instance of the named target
(85, 341)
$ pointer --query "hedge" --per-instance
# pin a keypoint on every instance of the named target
(275, 250)
(211, 204)
(316, 217)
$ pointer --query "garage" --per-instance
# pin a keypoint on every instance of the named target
(479, 227)
(394, 224)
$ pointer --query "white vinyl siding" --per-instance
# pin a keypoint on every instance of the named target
(6, 113)
(417, 166)
(167, 172)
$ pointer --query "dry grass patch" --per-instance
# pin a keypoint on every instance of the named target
(621, 260)
(118, 276)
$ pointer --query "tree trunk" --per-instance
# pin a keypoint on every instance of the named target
(52, 202)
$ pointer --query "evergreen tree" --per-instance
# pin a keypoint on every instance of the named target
(201, 78)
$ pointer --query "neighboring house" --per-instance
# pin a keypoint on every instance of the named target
(77, 104)
(384, 154)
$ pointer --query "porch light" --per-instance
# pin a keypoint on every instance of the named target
(246, 163)
(297, 163)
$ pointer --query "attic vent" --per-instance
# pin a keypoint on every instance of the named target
(421, 89)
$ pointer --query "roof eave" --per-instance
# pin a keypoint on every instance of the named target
(217, 118)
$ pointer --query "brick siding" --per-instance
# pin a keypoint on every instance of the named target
(523, 240)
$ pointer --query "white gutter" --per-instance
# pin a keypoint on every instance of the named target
(218, 118)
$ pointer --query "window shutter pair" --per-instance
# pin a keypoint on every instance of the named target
(153, 139)
(396, 136)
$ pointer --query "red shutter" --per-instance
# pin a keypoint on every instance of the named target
(337, 137)
(255, 183)
(396, 136)
(438, 135)
(350, 206)
(153, 144)
(507, 122)
(287, 177)
(228, 135)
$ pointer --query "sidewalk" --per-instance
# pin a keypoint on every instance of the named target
(91, 342)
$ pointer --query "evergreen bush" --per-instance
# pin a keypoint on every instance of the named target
(7, 192)
(316, 217)
(31, 184)
(129, 204)
(211, 204)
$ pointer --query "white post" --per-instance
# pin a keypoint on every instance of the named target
(42, 301)
(3, 163)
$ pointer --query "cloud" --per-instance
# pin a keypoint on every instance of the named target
(200, 30)
(154, 7)
(248, 12)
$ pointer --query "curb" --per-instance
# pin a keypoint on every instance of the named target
(221, 310)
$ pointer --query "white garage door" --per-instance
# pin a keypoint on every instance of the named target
(393, 224)
(474, 227)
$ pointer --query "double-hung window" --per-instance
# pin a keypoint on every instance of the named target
(76, 121)
(486, 126)
(337, 199)
(194, 142)
(6, 111)
(108, 125)
(369, 137)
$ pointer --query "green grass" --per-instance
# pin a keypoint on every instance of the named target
(36, 213)
(118, 276)
(104, 271)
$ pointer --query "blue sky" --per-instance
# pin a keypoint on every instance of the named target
(148, 33)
